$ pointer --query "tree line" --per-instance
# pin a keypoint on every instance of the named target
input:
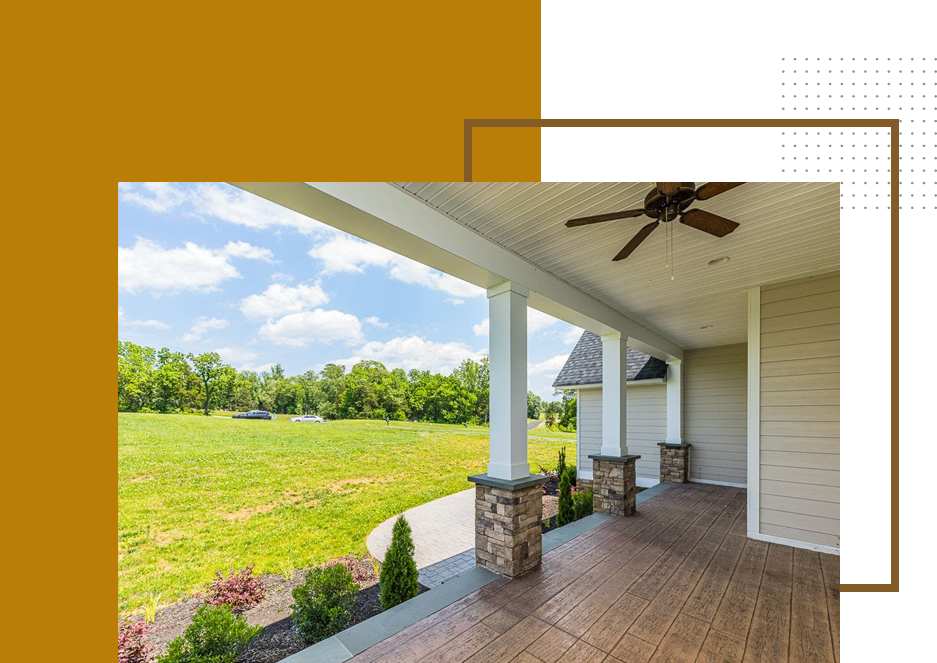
(150, 380)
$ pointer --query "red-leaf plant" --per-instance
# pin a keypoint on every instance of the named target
(130, 645)
(239, 589)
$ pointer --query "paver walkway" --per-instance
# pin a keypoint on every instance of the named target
(442, 529)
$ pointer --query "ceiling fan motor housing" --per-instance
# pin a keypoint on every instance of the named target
(655, 204)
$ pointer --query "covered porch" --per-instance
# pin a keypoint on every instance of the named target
(739, 565)
(678, 581)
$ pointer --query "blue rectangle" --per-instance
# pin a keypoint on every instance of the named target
(865, 570)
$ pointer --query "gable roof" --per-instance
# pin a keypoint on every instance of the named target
(584, 365)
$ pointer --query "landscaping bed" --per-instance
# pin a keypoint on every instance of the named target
(279, 638)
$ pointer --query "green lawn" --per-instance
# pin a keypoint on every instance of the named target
(195, 494)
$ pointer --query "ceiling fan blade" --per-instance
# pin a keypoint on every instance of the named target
(668, 188)
(586, 220)
(712, 189)
(636, 240)
(707, 222)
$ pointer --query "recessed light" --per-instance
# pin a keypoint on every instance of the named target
(718, 261)
(706, 327)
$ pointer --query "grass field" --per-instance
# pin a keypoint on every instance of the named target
(195, 494)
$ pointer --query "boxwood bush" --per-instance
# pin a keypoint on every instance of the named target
(216, 635)
(324, 601)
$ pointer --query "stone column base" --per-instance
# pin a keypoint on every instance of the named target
(613, 484)
(507, 524)
(674, 462)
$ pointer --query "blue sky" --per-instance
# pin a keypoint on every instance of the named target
(210, 267)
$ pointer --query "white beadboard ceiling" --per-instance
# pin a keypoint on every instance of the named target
(788, 230)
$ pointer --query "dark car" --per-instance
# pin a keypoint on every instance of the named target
(254, 414)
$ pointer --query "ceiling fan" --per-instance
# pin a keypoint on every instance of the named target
(666, 202)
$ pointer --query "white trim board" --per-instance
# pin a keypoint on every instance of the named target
(719, 483)
(793, 543)
(645, 482)
(753, 449)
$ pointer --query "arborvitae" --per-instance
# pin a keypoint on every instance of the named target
(561, 463)
(566, 512)
(399, 581)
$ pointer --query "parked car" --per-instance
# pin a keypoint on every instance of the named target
(309, 419)
(254, 414)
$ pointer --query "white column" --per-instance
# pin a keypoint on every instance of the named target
(674, 402)
(507, 347)
(614, 395)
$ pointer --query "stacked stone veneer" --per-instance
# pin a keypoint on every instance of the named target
(613, 485)
(507, 529)
(674, 462)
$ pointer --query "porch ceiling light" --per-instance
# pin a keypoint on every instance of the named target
(718, 261)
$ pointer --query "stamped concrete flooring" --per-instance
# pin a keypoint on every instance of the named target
(677, 582)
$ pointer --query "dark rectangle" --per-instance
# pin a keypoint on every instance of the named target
(865, 465)
(835, 153)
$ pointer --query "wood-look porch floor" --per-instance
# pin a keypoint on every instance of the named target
(678, 582)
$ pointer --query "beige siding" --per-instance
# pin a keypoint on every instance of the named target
(647, 426)
(799, 493)
(588, 427)
(714, 412)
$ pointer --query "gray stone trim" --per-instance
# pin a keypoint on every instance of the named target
(507, 484)
(674, 446)
(653, 491)
(354, 640)
(557, 537)
(630, 458)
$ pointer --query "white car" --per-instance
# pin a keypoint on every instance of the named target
(309, 419)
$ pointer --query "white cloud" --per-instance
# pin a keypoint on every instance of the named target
(280, 299)
(256, 368)
(147, 265)
(281, 277)
(344, 254)
(535, 322)
(236, 355)
(571, 335)
(248, 251)
(153, 324)
(455, 301)
(414, 352)
(203, 325)
(548, 366)
(219, 201)
(309, 327)
(375, 321)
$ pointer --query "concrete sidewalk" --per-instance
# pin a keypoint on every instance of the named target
(441, 529)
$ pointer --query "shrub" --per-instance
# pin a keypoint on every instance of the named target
(361, 568)
(216, 635)
(561, 463)
(566, 514)
(239, 589)
(582, 503)
(398, 573)
(571, 471)
(130, 645)
(324, 601)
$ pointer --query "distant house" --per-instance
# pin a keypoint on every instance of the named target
(714, 410)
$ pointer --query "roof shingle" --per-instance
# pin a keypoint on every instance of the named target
(584, 365)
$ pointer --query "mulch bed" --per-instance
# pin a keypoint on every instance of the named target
(279, 638)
